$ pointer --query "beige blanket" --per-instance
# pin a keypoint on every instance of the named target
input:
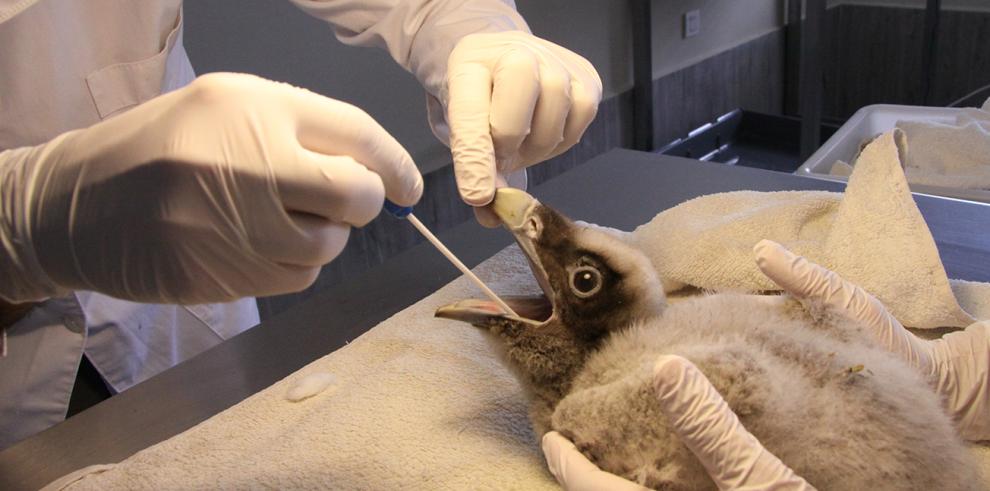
(953, 155)
(416, 402)
(873, 235)
(946, 158)
(422, 403)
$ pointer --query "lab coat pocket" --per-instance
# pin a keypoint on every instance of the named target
(227, 319)
(118, 87)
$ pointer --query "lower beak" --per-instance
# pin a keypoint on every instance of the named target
(472, 311)
(484, 312)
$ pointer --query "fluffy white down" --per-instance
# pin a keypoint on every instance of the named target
(841, 412)
(637, 271)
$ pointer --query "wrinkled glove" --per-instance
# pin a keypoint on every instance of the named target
(958, 364)
(513, 100)
(229, 187)
(731, 455)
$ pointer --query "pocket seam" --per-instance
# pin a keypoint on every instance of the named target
(123, 85)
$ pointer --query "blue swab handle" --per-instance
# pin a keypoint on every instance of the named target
(396, 210)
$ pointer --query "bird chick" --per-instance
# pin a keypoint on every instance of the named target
(832, 405)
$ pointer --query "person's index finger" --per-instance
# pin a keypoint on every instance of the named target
(335, 128)
(468, 113)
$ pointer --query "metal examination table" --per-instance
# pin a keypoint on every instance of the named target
(622, 188)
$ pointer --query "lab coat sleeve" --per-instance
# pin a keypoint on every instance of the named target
(419, 34)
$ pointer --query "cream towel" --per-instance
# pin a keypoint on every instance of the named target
(415, 403)
(974, 297)
(873, 235)
(953, 155)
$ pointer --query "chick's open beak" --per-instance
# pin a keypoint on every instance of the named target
(516, 210)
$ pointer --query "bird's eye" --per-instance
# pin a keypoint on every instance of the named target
(586, 281)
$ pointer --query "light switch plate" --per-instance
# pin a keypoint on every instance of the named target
(692, 23)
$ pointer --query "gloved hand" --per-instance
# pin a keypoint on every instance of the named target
(232, 186)
(733, 457)
(958, 364)
(575, 472)
(513, 100)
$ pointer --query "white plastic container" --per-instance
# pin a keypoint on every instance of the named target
(866, 124)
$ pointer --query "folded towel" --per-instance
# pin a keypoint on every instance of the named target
(949, 155)
(973, 297)
(873, 235)
(421, 403)
(952, 155)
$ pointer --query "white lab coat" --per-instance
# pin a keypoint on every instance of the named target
(67, 64)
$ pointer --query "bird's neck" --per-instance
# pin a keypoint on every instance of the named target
(548, 357)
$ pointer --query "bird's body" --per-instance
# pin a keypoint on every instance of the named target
(842, 413)
(817, 392)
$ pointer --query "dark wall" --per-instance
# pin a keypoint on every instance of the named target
(963, 63)
(749, 76)
(874, 55)
(276, 40)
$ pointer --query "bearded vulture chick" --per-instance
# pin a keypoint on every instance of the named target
(835, 407)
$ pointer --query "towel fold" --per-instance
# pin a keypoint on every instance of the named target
(873, 235)
(954, 155)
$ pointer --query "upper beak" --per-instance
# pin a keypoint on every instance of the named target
(513, 207)
(518, 212)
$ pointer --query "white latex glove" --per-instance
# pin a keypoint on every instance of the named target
(232, 186)
(958, 364)
(513, 100)
(575, 472)
(501, 98)
(731, 455)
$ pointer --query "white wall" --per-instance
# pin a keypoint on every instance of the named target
(725, 24)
